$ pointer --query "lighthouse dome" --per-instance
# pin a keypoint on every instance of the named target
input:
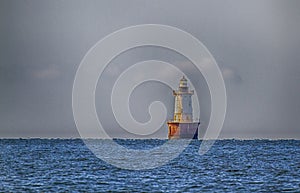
(183, 82)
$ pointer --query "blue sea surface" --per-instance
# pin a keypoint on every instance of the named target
(67, 165)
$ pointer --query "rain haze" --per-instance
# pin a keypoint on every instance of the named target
(255, 43)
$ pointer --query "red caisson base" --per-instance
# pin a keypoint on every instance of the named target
(179, 130)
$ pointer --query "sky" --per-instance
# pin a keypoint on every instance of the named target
(256, 44)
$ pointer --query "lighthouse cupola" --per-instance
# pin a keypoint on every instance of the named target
(183, 83)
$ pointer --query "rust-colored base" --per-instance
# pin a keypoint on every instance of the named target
(183, 130)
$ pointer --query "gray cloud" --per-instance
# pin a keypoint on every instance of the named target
(50, 72)
(255, 43)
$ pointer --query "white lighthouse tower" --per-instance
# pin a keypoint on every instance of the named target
(183, 111)
(183, 126)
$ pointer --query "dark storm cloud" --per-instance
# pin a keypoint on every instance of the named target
(255, 43)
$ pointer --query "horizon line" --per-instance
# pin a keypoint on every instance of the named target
(76, 138)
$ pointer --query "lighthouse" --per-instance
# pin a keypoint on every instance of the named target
(183, 125)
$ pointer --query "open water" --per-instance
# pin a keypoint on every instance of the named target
(57, 165)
